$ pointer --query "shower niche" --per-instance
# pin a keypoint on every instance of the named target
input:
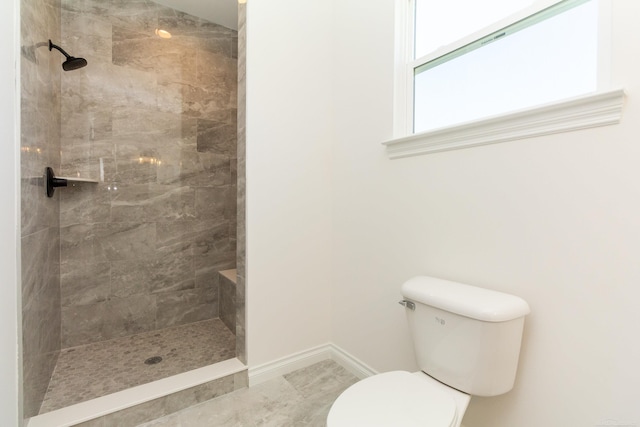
(150, 126)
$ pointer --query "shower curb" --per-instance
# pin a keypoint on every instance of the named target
(150, 401)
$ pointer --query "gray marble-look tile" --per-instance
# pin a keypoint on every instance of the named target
(195, 395)
(234, 48)
(241, 349)
(102, 87)
(169, 202)
(84, 203)
(233, 239)
(217, 67)
(186, 306)
(128, 202)
(100, 368)
(87, 35)
(173, 273)
(211, 238)
(193, 99)
(151, 202)
(227, 302)
(87, 129)
(131, 315)
(136, 415)
(241, 380)
(207, 266)
(211, 203)
(208, 100)
(40, 144)
(216, 137)
(147, 52)
(140, 15)
(36, 264)
(131, 277)
(87, 117)
(83, 324)
(241, 184)
(131, 117)
(223, 44)
(136, 165)
(231, 212)
(76, 243)
(120, 241)
(41, 346)
(149, 128)
(176, 237)
(282, 401)
(179, 24)
(233, 167)
(197, 169)
(323, 378)
(84, 283)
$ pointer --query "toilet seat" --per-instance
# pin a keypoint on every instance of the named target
(395, 398)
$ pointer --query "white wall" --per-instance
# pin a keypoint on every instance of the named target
(9, 219)
(289, 134)
(555, 220)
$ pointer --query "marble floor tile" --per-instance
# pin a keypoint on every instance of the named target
(97, 369)
(302, 398)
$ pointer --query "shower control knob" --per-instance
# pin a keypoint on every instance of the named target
(51, 182)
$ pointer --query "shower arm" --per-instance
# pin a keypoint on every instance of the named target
(58, 48)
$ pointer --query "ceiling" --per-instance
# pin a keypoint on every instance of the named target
(222, 12)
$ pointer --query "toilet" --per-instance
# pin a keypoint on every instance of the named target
(467, 343)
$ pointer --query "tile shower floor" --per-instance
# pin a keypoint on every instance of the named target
(94, 370)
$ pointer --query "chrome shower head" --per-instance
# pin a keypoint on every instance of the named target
(72, 63)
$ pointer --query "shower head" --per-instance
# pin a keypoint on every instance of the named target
(72, 63)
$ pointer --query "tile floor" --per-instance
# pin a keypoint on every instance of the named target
(97, 369)
(301, 398)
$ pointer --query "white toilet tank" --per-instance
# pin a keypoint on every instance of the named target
(466, 337)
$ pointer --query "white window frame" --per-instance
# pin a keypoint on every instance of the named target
(604, 107)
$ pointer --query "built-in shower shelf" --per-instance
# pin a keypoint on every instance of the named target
(52, 181)
(71, 179)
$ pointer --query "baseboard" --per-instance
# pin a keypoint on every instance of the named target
(285, 365)
(351, 363)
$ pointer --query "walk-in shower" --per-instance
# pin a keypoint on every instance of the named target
(129, 272)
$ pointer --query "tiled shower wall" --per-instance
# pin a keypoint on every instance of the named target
(40, 243)
(241, 276)
(154, 121)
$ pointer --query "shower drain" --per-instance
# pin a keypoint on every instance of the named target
(153, 360)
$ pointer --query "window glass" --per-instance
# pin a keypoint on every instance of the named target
(438, 22)
(550, 60)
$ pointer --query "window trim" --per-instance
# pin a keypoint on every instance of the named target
(534, 121)
(600, 109)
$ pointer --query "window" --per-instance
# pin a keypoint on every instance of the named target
(494, 60)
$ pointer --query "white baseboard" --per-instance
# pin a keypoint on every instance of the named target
(271, 370)
(285, 365)
(351, 363)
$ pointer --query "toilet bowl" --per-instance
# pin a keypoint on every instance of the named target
(398, 398)
(467, 343)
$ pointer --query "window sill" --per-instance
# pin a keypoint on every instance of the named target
(600, 109)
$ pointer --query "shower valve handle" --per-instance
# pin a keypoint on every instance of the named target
(51, 182)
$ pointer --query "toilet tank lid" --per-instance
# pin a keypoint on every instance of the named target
(469, 301)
